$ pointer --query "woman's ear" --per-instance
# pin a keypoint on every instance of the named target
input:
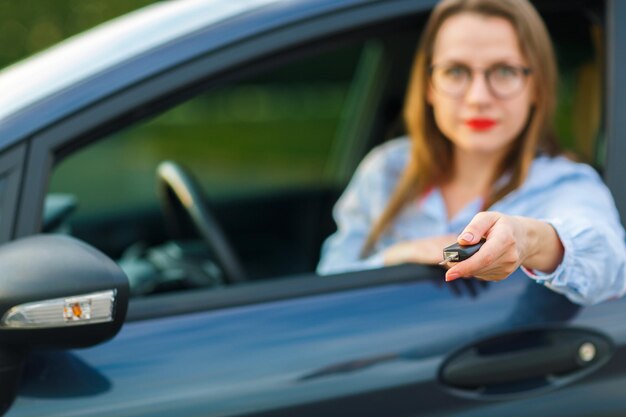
(429, 94)
(533, 94)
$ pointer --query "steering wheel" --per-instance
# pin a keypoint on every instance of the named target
(182, 197)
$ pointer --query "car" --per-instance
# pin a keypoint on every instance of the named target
(167, 180)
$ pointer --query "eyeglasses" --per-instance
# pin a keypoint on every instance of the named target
(503, 80)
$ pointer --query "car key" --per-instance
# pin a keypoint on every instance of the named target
(458, 253)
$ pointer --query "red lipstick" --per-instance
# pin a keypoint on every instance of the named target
(480, 124)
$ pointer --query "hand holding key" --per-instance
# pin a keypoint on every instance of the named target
(510, 241)
(457, 252)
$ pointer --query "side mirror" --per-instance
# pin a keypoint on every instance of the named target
(56, 292)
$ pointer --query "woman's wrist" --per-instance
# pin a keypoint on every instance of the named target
(544, 250)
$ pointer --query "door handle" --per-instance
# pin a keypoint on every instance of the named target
(525, 361)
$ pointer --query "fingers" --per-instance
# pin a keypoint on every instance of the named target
(478, 227)
(496, 259)
(480, 265)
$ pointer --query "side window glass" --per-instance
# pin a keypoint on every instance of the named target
(262, 151)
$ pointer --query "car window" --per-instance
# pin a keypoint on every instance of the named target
(267, 152)
(271, 153)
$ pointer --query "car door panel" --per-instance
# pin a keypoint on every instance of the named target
(347, 353)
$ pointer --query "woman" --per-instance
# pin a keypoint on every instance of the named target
(480, 161)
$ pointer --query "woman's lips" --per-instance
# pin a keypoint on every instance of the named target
(480, 124)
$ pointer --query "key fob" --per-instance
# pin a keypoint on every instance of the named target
(458, 253)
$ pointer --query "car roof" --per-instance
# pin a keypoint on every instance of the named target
(107, 45)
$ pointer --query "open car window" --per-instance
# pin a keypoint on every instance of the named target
(271, 152)
(267, 152)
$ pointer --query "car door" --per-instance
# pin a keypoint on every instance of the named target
(359, 350)
(395, 341)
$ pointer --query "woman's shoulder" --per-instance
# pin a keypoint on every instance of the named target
(547, 170)
(389, 157)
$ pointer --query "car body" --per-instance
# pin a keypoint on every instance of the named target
(395, 341)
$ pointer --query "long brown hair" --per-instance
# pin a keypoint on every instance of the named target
(431, 153)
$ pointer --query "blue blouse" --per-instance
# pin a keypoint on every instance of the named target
(568, 195)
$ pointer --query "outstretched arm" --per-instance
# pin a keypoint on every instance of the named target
(570, 237)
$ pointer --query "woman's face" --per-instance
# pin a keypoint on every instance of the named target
(477, 115)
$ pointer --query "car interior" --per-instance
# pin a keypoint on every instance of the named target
(238, 182)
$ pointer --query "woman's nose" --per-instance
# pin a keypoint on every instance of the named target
(478, 91)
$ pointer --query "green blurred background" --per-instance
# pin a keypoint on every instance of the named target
(29, 26)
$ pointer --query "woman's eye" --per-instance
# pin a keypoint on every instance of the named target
(505, 71)
(456, 72)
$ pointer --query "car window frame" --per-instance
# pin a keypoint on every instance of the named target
(116, 112)
(615, 100)
(11, 174)
(276, 289)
